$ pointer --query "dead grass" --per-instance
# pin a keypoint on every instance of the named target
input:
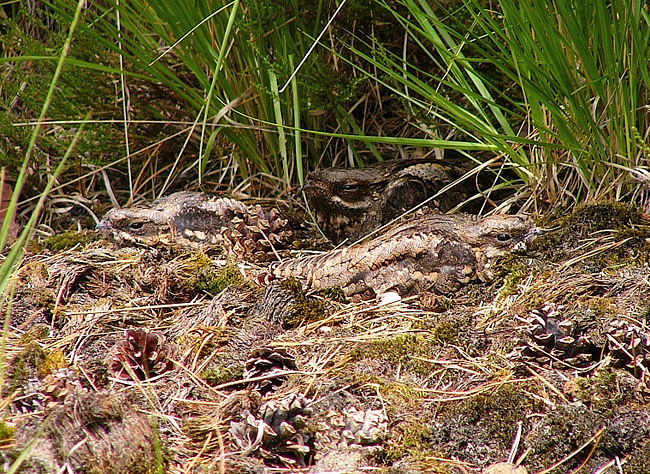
(454, 392)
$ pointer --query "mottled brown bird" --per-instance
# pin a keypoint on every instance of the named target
(431, 252)
(196, 218)
(349, 203)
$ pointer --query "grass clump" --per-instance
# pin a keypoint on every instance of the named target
(578, 81)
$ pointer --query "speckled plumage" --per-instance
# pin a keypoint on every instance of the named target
(196, 218)
(351, 202)
(432, 251)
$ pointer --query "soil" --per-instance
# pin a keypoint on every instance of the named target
(173, 360)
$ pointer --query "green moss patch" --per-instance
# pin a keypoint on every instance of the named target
(66, 240)
(213, 279)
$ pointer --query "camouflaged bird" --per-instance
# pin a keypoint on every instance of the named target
(195, 218)
(430, 252)
(349, 203)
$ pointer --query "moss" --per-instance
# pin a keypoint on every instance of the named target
(601, 305)
(496, 413)
(36, 271)
(33, 362)
(411, 438)
(293, 285)
(334, 294)
(446, 332)
(568, 427)
(36, 333)
(202, 346)
(605, 390)
(347, 376)
(7, 430)
(512, 271)
(456, 327)
(560, 433)
(65, 241)
(211, 278)
(401, 398)
(639, 460)
(588, 218)
(645, 315)
(570, 231)
(302, 309)
(26, 364)
(399, 350)
(220, 375)
(54, 361)
(431, 465)
(482, 427)
(624, 430)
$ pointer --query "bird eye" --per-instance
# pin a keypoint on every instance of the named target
(350, 188)
(136, 225)
(503, 237)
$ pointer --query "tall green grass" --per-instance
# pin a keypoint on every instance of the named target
(14, 255)
(559, 87)
(228, 62)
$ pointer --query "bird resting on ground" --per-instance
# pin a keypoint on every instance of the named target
(430, 252)
(196, 218)
(349, 203)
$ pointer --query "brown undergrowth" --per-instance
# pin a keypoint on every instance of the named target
(164, 359)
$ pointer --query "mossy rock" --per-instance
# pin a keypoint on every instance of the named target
(482, 427)
(590, 220)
